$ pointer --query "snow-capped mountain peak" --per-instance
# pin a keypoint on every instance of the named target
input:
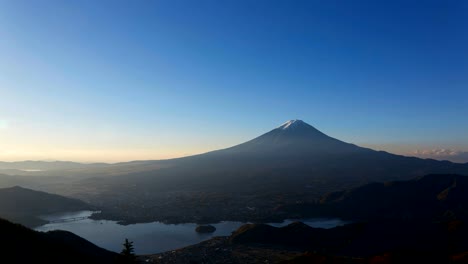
(291, 124)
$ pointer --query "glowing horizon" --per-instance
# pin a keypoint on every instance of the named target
(92, 155)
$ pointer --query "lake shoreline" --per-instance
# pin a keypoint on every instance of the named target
(126, 220)
(155, 237)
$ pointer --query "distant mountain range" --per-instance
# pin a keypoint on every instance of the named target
(32, 165)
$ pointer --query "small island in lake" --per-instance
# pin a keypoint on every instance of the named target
(205, 229)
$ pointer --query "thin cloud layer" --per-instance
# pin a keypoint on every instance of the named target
(443, 154)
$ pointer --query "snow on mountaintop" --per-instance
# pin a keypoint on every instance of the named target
(291, 124)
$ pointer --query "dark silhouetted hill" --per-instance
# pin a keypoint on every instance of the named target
(430, 198)
(296, 235)
(372, 242)
(19, 244)
(24, 206)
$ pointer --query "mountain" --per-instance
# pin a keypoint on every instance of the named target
(430, 198)
(297, 235)
(293, 163)
(293, 157)
(295, 137)
(24, 206)
(23, 245)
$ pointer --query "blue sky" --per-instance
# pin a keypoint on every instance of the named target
(121, 80)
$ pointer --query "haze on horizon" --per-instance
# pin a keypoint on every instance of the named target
(116, 81)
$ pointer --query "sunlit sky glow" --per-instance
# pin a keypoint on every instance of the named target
(125, 80)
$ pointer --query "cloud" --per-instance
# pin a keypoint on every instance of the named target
(443, 154)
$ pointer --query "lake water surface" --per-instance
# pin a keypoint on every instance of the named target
(153, 237)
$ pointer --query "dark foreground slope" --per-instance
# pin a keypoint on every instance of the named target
(24, 206)
(19, 244)
(387, 242)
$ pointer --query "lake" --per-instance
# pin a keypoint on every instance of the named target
(152, 237)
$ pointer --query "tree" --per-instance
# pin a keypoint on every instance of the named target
(127, 255)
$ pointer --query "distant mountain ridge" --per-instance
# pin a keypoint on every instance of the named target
(45, 165)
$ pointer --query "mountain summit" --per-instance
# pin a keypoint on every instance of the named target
(294, 137)
(291, 124)
(297, 154)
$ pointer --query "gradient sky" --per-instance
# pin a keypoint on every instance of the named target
(124, 80)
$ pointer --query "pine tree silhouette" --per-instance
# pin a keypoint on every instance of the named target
(128, 253)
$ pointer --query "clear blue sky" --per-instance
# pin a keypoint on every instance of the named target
(119, 80)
